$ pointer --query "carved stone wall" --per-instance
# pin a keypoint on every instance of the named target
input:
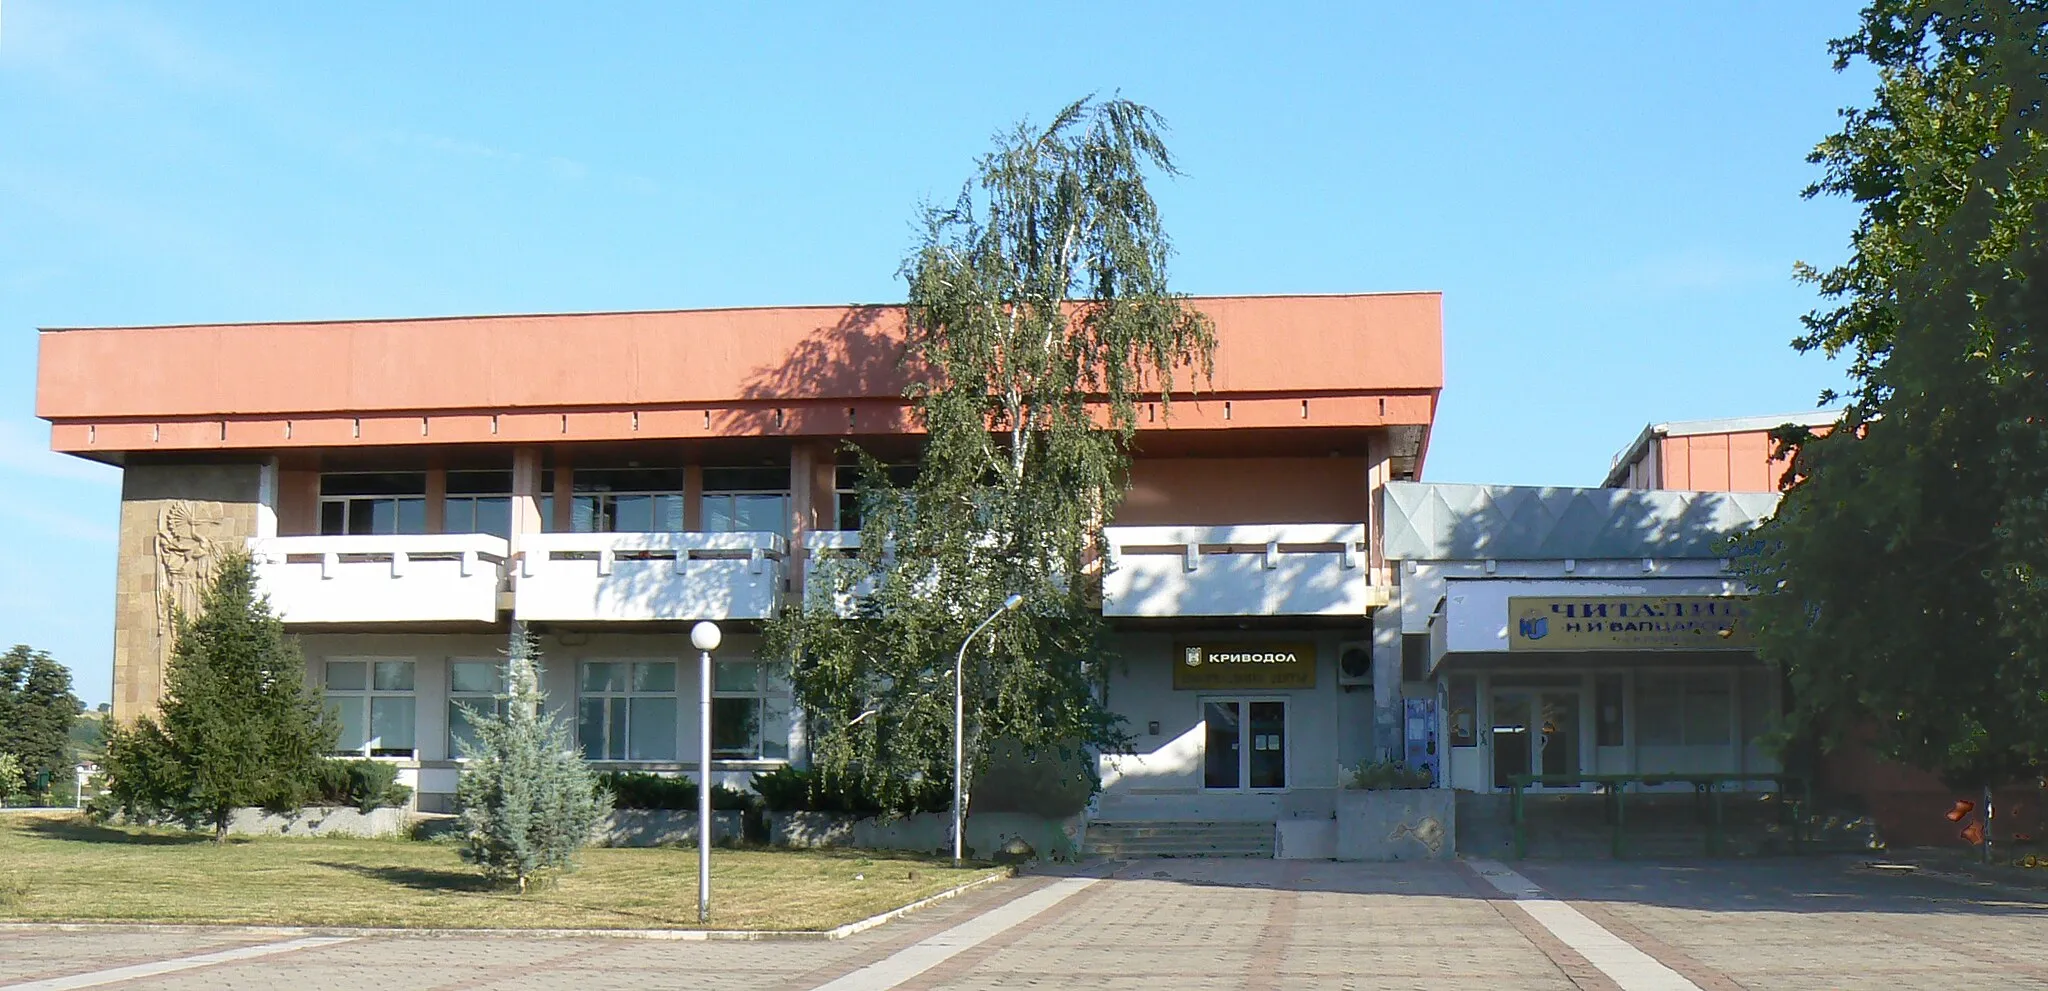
(176, 523)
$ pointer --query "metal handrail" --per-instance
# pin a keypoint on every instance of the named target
(1615, 788)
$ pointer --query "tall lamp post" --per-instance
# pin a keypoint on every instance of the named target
(960, 724)
(705, 637)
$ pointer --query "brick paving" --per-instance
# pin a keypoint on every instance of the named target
(1230, 924)
(1819, 924)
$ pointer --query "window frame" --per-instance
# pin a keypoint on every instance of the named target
(470, 498)
(622, 699)
(369, 694)
(351, 504)
(457, 698)
(761, 694)
(731, 494)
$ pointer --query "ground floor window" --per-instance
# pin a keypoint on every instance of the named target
(373, 702)
(474, 686)
(1244, 743)
(626, 710)
(750, 712)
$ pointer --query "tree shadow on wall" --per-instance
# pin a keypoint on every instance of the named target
(844, 378)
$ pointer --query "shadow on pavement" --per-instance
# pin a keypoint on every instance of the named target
(1781, 884)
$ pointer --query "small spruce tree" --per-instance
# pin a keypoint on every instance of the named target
(237, 726)
(528, 801)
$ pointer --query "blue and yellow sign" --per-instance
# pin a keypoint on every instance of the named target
(1630, 622)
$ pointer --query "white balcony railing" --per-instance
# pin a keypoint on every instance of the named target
(1281, 569)
(635, 577)
(388, 578)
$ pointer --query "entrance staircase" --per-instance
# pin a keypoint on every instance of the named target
(1658, 826)
(1135, 839)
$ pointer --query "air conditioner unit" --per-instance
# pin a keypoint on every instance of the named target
(1354, 662)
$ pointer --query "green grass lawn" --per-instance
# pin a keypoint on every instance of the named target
(57, 867)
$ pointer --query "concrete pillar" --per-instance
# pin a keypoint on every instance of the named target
(526, 490)
(693, 498)
(1378, 469)
(437, 500)
(178, 522)
(564, 492)
(1386, 681)
(802, 459)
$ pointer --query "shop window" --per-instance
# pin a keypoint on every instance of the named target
(373, 702)
(746, 500)
(1607, 696)
(373, 502)
(476, 686)
(750, 712)
(626, 710)
(1683, 710)
(479, 502)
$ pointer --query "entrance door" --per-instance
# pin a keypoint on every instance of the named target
(1244, 744)
(1535, 731)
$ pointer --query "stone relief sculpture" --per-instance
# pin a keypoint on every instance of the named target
(191, 537)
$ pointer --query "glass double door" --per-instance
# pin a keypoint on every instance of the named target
(1535, 731)
(1244, 744)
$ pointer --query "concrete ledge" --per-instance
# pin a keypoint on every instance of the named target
(661, 827)
(1401, 824)
(1050, 839)
(321, 821)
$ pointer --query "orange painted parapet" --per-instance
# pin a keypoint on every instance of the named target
(1292, 361)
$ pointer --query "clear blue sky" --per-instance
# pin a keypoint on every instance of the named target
(1607, 194)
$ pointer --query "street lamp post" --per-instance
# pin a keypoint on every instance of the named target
(960, 725)
(705, 637)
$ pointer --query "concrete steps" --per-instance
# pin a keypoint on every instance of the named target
(1136, 839)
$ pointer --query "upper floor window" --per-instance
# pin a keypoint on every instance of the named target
(846, 491)
(373, 701)
(362, 502)
(626, 500)
(479, 502)
(746, 500)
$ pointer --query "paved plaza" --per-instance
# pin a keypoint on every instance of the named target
(1173, 924)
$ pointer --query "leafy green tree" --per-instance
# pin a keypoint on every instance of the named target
(1904, 578)
(36, 713)
(1039, 323)
(10, 775)
(528, 801)
(237, 726)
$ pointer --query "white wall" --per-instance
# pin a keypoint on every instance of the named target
(1326, 726)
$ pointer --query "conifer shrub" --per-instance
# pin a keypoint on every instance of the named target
(528, 802)
(237, 726)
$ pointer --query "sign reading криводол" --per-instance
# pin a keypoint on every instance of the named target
(1204, 666)
(1629, 622)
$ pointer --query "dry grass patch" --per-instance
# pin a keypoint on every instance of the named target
(56, 867)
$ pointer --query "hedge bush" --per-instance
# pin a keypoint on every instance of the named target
(642, 790)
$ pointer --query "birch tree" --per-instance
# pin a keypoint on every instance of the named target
(1041, 331)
